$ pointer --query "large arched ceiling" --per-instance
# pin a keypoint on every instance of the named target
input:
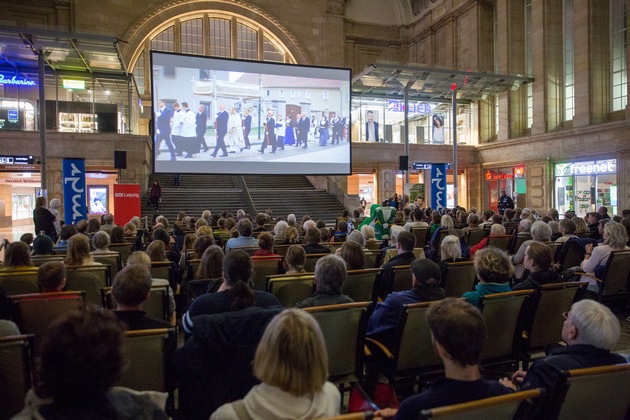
(389, 12)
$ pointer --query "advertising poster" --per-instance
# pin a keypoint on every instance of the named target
(74, 191)
(438, 186)
(126, 202)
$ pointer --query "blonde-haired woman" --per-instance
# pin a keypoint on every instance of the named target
(292, 364)
(79, 251)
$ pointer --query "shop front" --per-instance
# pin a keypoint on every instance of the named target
(583, 187)
(512, 180)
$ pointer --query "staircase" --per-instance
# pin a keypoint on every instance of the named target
(284, 195)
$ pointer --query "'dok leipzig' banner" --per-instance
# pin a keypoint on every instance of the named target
(126, 202)
(438, 186)
(74, 191)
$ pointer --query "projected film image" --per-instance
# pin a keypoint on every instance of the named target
(240, 117)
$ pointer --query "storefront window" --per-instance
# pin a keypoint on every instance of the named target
(23, 206)
(583, 187)
(512, 180)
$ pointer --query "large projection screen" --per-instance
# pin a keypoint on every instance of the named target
(223, 116)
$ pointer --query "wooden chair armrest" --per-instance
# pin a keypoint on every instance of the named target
(590, 276)
(381, 346)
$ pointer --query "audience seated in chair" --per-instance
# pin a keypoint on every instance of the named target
(67, 232)
(142, 258)
(405, 243)
(291, 362)
(79, 251)
(42, 245)
(81, 362)
(17, 257)
(495, 230)
(591, 331)
(234, 293)
(51, 277)
(330, 273)
(450, 251)
(459, 333)
(313, 238)
(538, 263)
(265, 245)
(131, 289)
(352, 253)
(244, 239)
(494, 272)
(295, 259)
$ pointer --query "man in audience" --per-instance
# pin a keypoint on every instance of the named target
(313, 238)
(592, 219)
(405, 243)
(330, 273)
(108, 223)
(51, 277)
(261, 219)
(131, 289)
(82, 226)
(244, 228)
(459, 333)
(425, 287)
(416, 220)
(591, 331)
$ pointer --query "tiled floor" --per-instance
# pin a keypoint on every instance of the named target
(13, 234)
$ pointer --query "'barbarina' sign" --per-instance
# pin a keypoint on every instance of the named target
(16, 81)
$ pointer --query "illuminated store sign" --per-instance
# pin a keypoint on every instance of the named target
(16, 160)
(73, 84)
(608, 166)
(399, 106)
(19, 81)
(493, 175)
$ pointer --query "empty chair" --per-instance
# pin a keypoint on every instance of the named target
(460, 278)
(613, 283)
(520, 238)
(360, 285)
(591, 393)
(263, 267)
(112, 259)
(89, 279)
(374, 245)
(291, 289)
(19, 282)
(192, 266)
(401, 279)
(162, 270)
(501, 407)
(15, 373)
(570, 254)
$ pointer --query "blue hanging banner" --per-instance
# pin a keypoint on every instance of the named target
(438, 186)
(74, 191)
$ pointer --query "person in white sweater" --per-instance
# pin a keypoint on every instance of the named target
(292, 364)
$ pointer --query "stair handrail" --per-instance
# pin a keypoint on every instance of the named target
(239, 181)
(349, 201)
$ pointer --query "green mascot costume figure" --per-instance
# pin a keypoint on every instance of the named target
(381, 218)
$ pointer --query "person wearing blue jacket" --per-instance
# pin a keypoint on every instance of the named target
(494, 271)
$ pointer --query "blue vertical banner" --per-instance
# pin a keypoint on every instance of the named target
(74, 191)
(438, 186)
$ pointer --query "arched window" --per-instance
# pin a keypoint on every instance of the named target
(218, 34)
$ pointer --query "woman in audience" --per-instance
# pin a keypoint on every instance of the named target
(538, 262)
(313, 238)
(352, 253)
(566, 227)
(495, 230)
(82, 360)
(201, 244)
(79, 251)
(157, 251)
(187, 246)
(436, 222)
(67, 231)
(292, 235)
(234, 293)
(450, 251)
(93, 226)
(100, 243)
(42, 245)
(117, 235)
(292, 364)
(211, 266)
(541, 232)
(494, 272)
(368, 233)
(17, 257)
(330, 273)
(294, 260)
(357, 237)
(580, 226)
(130, 229)
(265, 245)
(615, 239)
(279, 231)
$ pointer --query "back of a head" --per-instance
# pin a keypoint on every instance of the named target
(541, 231)
(17, 254)
(526, 225)
(330, 273)
(292, 354)
(447, 222)
(117, 235)
(42, 245)
(296, 257)
(261, 219)
(426, 271)
(541, 254)
(265, 241)
(68, 230)
(493, 265)
(497, 230)
(313, 236)
(108, 218)
(568, 226)
(473, 219)
(237, 270)
(211, 266)
(394, 231)
(460, 328)
(78, 249)
(615, 235)
(131, 285)
(597, 325)
(451, 248)
(81, 356)
(308, 225)
(406, 240)
(368, 232)
(417, 214)
(352, 253)
(356, 236)
(100, 240)
(51, 276)
(139, 257)
(161, 234)
(202, 243)
(157, 251)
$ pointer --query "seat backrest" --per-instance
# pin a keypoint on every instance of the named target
(35, 312)
(504, 313)
(149, 354)
(460, 278)
(401, 278)
(501, 407)
(125, 249)
(570, 254)
(263, 267)
(15, 373)
(421, 234)
(39, 260)
(616, 273)
(311, 260)
(155, 307)
(374, 245)
(415, 347)
(501, 241)
(192, 266)
(290, 289)
(370, 258)
(250, 250)
(443, 233)
(113, 260)
(596, 393)
(389, 254)
(19, 282)
(474, 236)
(547, 321)
(359, 284)
(161, 270)
(281, 249)
(89, 279)
(344, 328)
(520, 238)
(419, 253)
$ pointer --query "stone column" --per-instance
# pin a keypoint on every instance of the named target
(386, 182)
